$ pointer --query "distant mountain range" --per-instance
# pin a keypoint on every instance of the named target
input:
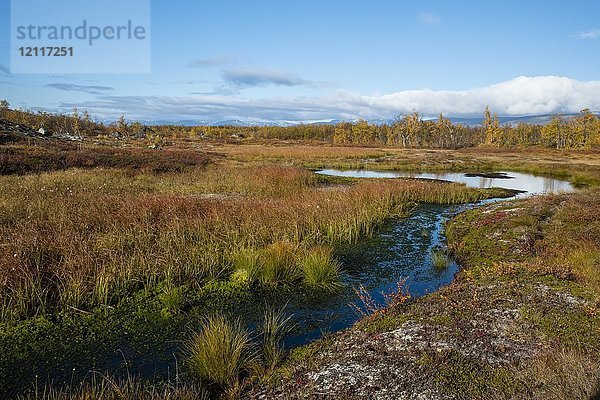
(468, 121)
(513, 120)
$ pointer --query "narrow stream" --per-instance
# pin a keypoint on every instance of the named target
(402, 249)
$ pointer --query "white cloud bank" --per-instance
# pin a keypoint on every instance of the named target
(518, 96)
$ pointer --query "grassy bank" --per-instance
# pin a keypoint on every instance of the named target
(520, 321)
(579, 167)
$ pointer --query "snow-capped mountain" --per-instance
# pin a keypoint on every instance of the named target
(468, 121)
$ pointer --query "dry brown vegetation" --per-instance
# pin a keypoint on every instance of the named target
(84, 238)
(52, 156)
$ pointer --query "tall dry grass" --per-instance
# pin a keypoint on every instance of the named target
(99, 386)
(82, 238)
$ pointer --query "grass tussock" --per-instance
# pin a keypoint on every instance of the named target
(219, 352)
(320, 269)
(247, 265)
(279, 263)
(439, 258)
(222, 352)
(275, 325)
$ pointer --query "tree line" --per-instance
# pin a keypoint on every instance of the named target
(409, 131)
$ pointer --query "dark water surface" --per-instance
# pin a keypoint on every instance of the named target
(399, 250)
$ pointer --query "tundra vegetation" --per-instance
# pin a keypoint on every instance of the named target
(105, 239)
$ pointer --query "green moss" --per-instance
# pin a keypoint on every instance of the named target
(469, 379)
(573, 288)
(383, 323)
(172, 299)
(307, 352)
(571, 326)
(440, 319)
(71, 343)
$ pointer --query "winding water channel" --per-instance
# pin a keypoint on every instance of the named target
(401, 249)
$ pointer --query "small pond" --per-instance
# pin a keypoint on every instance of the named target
(528, 183)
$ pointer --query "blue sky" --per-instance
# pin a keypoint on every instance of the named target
(317, 60)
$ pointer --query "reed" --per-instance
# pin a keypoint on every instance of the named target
(274, 327)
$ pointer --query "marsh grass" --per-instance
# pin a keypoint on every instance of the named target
(247, 265)
(275, 325)
(86, 238)
(99, 386)
(219, 352)
(279, 263)
(320, 269)
(579, 167)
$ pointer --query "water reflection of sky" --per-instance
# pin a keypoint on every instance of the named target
(531, 184)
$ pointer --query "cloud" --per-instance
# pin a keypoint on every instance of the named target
(518, 96)
(90, 89)
(261, 77)
(428, 18)
(589, 35)
(209, 62)
(4, 70)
